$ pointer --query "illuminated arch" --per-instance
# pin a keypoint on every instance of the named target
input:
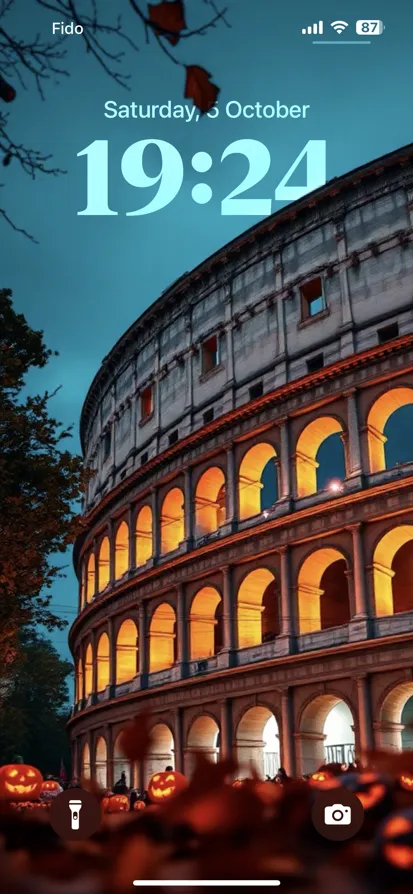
(393, 586)
(308, 444)
(379, 414)
(249, 478)
(88, 671)
(203, 736)
(120, 762)
(90, 578)
(162, 638)
(392, 720)
(121, 550)
(314, 737)
(83, 580)
(257, 740)
(143, 535)
(126, 651)
(323, 599)
(256, 601)
(104, 564)
(203, 623)
(101, 763)
(102, 659)
(161, 751)
(86, 769)
(79, 680)
(210, 510)
(172, 520)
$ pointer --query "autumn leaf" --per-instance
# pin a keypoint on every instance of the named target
(199, 88)
(7, 92)
(135, 738)
(168, 17)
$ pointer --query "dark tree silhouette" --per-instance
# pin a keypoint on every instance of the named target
(32, 64)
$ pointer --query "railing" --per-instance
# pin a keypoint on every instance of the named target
(340, 754)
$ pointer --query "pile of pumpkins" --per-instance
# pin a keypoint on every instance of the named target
(161, 787)
(24, 788)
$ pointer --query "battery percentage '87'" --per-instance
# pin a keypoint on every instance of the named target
(369, 26)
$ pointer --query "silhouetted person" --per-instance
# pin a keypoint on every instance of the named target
(120, 787)
(281, 775)
(169, 769)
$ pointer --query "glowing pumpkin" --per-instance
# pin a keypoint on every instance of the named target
(20, 782)
(166, 785)
(115, 804)
(406, 782)
(324, 780)
(396, 840)
(50, 788)
(372, 790)
(139, 805)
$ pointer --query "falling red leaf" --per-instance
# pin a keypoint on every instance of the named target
(135, 738)
(168, 17)
(199, 88)
(7, 92)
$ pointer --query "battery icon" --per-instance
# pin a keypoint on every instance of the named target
(369, 27)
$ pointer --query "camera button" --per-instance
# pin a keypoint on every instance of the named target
(337, 814)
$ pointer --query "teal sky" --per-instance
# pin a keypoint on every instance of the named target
(90, 277)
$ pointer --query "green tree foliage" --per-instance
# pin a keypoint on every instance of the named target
(35, 706)
(40, 484)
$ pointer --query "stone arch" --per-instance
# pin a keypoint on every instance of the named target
(88, 670)
(250, 483)
(86, 766)
(162, 638)
(143, 533)
(377, 419)
(204, 625)
(323, 597)
(172, 520)
(210, 511)
(257, 741)
(391, 720)
(312, 736)
(203, 736)
(307, 447)
(257, 609)
(393, 571)
(79, 680)
(161, 751)
(121, 550)
(101, 762)
(126, 651)
(104, 564)
(120, 763)
(90, 577)
(102, 660)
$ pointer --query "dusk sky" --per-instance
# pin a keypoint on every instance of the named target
(89, 277)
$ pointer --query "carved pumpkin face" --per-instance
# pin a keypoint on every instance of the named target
(115, 804)
(406, 782)
(372, 790)
(396, 840)
(139, 805)
(50, 788)
(163, 786)
(19, 782)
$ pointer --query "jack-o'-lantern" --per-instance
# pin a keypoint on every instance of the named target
(115, 804)
(139, 805)
(20, 782)
(238, 783)
(324, 780)
(372, 790)
(50, 788)
(396, 840)
(406, 782)
(166, 785)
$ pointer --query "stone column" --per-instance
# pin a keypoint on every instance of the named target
(360, 623)
(286, 620)
(287, 733)
(132, 537)
(347, 324)
(285, 476)
(95, 553)
(354, 452)
(225, 747)
(93, 641)
(112, 656)
(112, 551)
(109, 752)
(229, 618)
(182, 630)
(178, 741)
(188, 509)
(143, 654)
(156, 525)
(230, 487)
(364, 714)
(89, 738)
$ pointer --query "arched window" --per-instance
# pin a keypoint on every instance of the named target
(323, 598)
(86, 761)
(311, 477)
(172, 520)
(251, 480)
(102, 657)
(101, 763)
(90, 578)
(88, 671)
(104, 564)
(121, 550)
(162, 650)
(257, 608)
(393, 571)
(143, 535)
(389, 435)
(203, 621)
(79, 680)
(126, 651)
(210, 502)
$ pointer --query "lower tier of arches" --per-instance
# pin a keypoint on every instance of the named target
(330, 710)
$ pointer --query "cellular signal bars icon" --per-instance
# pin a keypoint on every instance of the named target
(313, 29)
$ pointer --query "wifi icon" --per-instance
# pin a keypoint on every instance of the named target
(339, 27)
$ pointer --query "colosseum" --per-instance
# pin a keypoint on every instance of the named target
(246, 566)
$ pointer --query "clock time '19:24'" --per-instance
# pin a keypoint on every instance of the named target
(171, 175)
